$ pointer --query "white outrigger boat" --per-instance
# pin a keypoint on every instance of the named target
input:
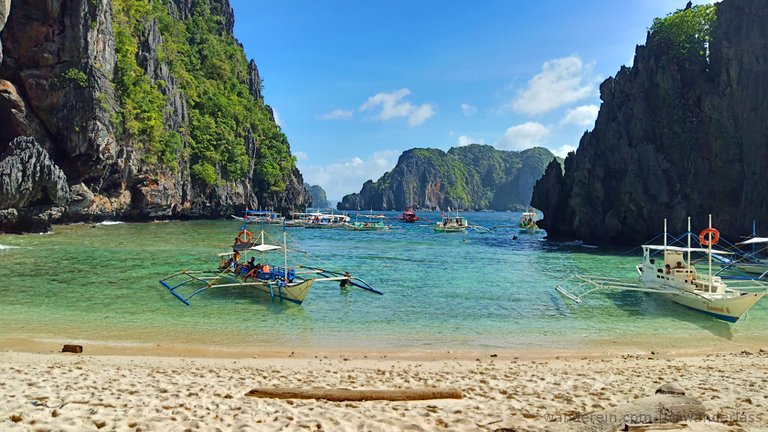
(262, 273)
(674, 277)
(260, 216)
(452, 224)
(528, 222)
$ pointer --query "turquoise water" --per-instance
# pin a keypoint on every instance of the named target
(442, 291)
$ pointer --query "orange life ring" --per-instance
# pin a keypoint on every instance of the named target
(247, 234)
(712, 240)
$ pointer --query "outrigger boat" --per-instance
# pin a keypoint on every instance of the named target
(409, 215)
(528, 222)
(262, 273)
(452, 224)
(674, 277)
(326, 221)
(260, 216)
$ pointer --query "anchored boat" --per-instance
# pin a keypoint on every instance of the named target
(669, 271)
(262, 265)
(260, 216)
(528, 222)
(452, 224)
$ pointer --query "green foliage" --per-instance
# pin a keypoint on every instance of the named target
(75, 76)
(687, 31)
(211, 69)
(141, 103)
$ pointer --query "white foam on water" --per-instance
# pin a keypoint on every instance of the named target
(6, 247)
(109, 222)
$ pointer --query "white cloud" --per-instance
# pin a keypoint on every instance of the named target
(348, 176)
(563, 150)
(301, 156)
(392, 105)
(584, 115)
(421, 114)
(468, 110)
(560, 82)
(337, 114)
(523, 136)
(465, 140)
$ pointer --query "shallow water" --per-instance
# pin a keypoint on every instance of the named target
(99, 283)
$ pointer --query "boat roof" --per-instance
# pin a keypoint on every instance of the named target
(754, 240)
(265, 247)
(685, 249)
(260, 212)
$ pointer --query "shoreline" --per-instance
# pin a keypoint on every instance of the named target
(194, 351)
(75, 392)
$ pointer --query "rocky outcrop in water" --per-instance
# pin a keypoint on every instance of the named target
(677, 135)
(469, 177)
(58, 75)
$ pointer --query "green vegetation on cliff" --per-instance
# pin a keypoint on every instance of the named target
(687, 31)
(211, 69)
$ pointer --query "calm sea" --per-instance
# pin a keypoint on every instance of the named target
(99, 283)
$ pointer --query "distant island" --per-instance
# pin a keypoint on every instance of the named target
(475, 177)
(317, 193)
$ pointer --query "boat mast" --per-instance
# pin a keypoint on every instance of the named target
(285, 258)
(665, 240)
(689, 242)
(709, 253)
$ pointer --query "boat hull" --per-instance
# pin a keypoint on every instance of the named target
(728, 309)
(450, 229)
(295, 293)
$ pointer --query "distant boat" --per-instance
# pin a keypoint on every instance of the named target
(452, 224)
(260, 216)
(528, 222)
(409, 215)
(674, 277)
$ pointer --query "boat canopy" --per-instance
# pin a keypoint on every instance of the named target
(754, 240)
(685, 249)
(265, 247)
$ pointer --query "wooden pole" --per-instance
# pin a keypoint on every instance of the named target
(344, 395)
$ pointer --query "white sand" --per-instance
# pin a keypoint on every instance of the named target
(81, 392)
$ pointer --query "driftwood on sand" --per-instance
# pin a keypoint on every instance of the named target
(345, 395)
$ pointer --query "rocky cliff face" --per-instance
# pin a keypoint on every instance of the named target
(470, 177)
(319, 198)
(57, 85)
(676, 136)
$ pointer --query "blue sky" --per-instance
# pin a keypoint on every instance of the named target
(355, 83)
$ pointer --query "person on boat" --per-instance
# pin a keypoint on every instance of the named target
(227, 264)
(668, 268)
(679, 265)
(252, 263)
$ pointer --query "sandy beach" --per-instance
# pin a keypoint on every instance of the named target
(506, 391)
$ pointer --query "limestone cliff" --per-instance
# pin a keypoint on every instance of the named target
(104, 89)
(681, 133)
(319, 198)
(469, 177)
